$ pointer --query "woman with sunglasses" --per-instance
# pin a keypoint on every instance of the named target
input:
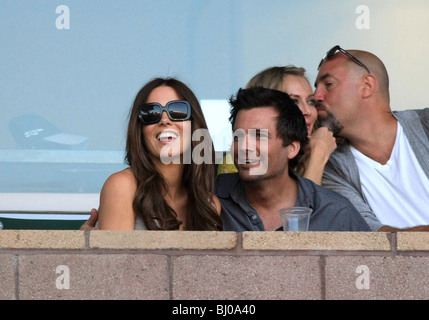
(292, 80)
(161, 190)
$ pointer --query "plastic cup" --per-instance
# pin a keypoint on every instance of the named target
(295, 218)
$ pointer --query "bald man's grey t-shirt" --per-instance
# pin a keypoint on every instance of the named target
(331, 211)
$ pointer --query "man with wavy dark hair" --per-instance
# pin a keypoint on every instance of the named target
(270, 133)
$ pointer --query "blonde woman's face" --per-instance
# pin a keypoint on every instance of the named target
(300, 91)
(166, 138)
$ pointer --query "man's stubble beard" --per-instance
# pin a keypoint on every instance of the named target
(258, 179)
(332, 123)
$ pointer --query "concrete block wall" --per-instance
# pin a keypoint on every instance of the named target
(189, 265)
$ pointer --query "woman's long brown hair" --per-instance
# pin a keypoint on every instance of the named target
(198, 179)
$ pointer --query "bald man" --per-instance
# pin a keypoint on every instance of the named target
(383, 165)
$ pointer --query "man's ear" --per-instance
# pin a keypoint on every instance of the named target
(293, 149)
(369, 85)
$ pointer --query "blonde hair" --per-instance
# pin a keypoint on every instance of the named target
(272, 78)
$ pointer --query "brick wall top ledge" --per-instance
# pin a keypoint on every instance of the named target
(42, 239)
(373, 241)
(140, 239)
(412, 241)
(208, 240)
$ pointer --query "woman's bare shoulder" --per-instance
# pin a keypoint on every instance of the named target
(116, 202)
(121, 179)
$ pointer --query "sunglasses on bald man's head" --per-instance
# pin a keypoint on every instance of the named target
(334, 50)
(177, 110)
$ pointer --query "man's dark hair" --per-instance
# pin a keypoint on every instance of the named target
(291, 124)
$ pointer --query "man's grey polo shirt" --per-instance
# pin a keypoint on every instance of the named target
(331, 211)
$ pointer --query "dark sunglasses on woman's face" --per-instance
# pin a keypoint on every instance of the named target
(337, 48)
(177, 110)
